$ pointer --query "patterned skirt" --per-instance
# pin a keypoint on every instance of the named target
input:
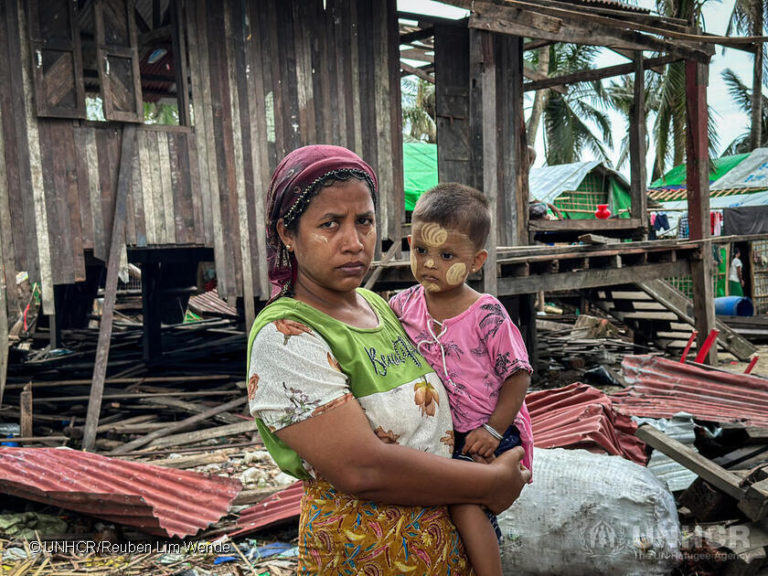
(339, 534)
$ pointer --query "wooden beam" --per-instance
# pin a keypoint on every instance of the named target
(537, 76)
(419, 54)
(416, 34)
(113, 264)
(637, 149)
(589, 225)
(752, 499)
(25, 406)
(452, 101)
(378, 267)
(527, 20)
(598, 74)
(491, 151)
(179, 426)
(417, 72)
(579, 279)
(697, 167)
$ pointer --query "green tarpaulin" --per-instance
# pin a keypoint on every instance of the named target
(420, 170)
(677, 176)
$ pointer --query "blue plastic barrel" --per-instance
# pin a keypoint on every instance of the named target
(734, 306)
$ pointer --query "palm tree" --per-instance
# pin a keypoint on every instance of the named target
(743, 97)
(750, 17)
(569, 118)
(669, 128)
(418, 98)
(621, 95)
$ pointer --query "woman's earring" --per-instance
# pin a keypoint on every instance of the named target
(288, 247)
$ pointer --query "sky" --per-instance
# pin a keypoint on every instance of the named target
(731, 121)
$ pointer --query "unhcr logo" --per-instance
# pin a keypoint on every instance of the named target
(601, 539)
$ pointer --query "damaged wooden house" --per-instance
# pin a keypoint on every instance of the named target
(145, 132)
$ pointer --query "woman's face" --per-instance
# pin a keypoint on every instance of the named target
(335, 238)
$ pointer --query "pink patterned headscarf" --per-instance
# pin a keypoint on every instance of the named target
(295, 181)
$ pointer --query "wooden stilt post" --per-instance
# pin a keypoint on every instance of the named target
(3, 327)
(696, 77)
(105, 329)
(150, 302)
(490, 123)
(637, 148)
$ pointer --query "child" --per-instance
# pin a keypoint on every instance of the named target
(471, 343)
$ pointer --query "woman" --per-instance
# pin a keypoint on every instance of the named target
(343, 400)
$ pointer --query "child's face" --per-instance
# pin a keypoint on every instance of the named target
(442, 258)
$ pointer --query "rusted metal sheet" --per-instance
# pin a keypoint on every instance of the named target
(660, 388)
(157, 500)
(282, 506)
(210, 303)
(581, 416)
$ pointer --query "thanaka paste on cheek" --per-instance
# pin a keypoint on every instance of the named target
(414, 265)
(319, 238)
(456, 274)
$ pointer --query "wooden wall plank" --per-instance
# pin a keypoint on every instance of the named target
(195, 187)
(21, 190)
(185, 194)
(40, 231)
(147, 188)
(512, 201)
(175, 189)
(291, 125)
(137, 199)
(11, 208)
(108, 150)
(353, 81)
(260, 159)
(164, 159)
(303, 36)
(227, 275)
(272, 58)
(211, 187)
(83, 186)
(452, 103)
(64, 223)
(199, 157)
(334, 55)
(153, 153)
(323, 71)
(235, 54)
(8, 293)
(395, 161)
(94, 194)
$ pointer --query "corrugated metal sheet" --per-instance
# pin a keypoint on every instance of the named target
(157, 500)
(681, 428)
(581, 416)
(660, 388)
(210, 303)
(613, 4)
(282, 506)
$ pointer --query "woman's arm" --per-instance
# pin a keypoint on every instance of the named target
(342, 448)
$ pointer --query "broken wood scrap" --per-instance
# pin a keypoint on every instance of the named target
(244, 427)
(190, 407)
(752, 498)
(179, 426)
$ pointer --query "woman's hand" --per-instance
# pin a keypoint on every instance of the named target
(512, 477)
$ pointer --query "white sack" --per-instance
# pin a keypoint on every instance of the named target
(590, 514)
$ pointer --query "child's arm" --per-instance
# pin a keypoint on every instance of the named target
(481, 444)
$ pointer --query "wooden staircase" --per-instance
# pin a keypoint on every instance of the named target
(658, 313)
